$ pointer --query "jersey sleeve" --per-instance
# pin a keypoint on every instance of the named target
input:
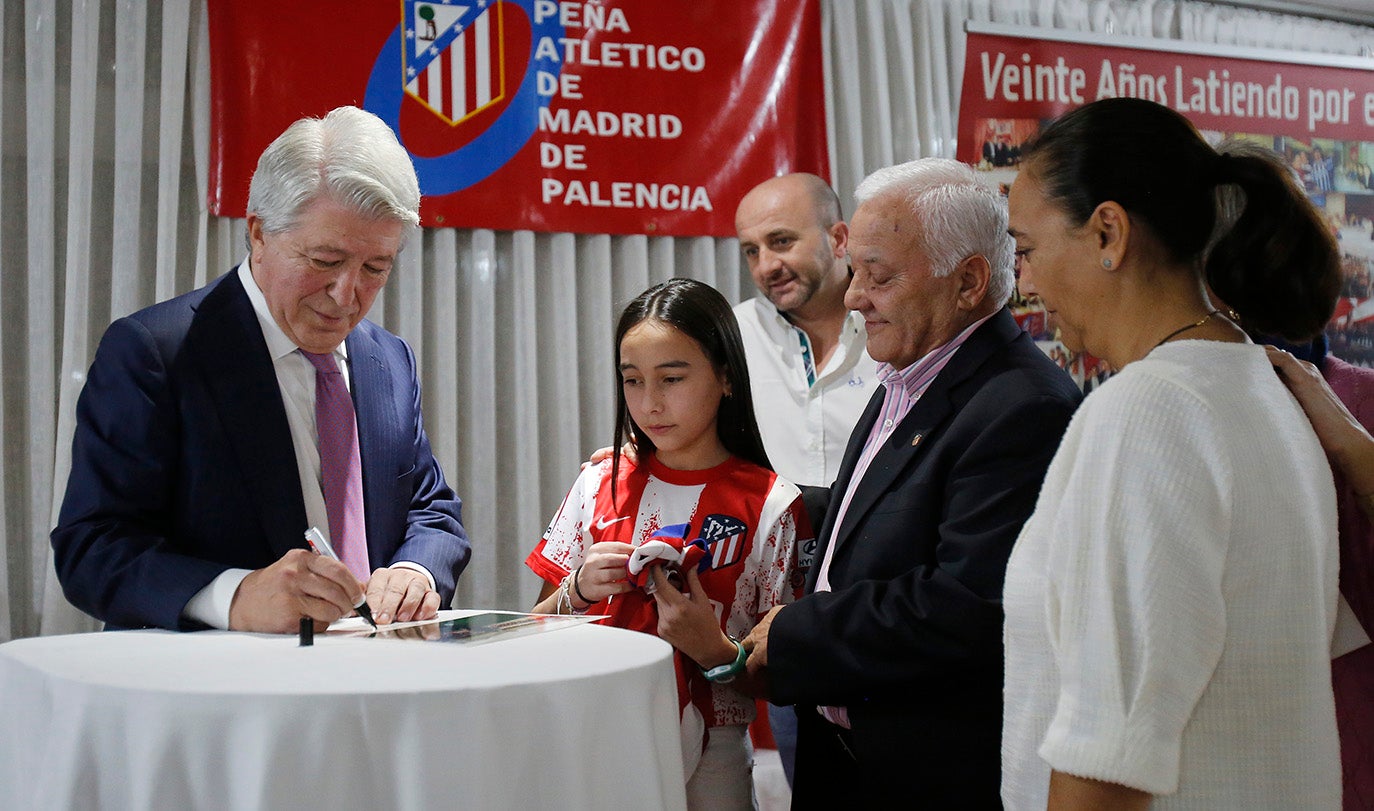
(565, 542)
(784, 530)
(1135, 609)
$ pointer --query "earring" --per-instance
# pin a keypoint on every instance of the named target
(1107, 263)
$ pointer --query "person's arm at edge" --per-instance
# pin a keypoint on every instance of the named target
(1345, 440)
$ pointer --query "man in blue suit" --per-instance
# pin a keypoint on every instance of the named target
(195, 463)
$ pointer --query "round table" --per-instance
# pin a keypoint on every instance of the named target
(581, 717)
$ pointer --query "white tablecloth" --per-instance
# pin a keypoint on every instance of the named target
(579, 718)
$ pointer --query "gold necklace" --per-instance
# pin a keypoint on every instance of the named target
(1185, 328)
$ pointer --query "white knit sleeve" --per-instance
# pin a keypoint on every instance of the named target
(1135, 608)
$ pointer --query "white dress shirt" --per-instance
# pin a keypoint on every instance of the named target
(805, 425)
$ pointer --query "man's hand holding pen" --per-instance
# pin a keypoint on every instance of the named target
(317, 586)
(300, 584)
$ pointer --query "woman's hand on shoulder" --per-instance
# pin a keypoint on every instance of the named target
(1344, 439)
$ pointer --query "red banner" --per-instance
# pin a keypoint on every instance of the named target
(1316, 110)
(1015, 77)
(619, 117)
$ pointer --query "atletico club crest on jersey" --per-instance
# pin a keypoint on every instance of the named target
(452, 57)
(725, 537)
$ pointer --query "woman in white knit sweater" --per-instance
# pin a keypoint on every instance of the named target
(1170, 602)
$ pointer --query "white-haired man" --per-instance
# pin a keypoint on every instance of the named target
(898, 641)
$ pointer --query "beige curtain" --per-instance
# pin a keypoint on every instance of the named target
(104, 132)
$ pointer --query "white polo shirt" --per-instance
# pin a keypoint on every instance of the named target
(805, 425)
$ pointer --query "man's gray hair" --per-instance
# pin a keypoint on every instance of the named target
(350, 156)
(956, 217)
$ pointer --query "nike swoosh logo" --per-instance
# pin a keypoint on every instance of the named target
(602, 523)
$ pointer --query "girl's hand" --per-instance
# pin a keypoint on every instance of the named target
(603, 573)
(688, 621)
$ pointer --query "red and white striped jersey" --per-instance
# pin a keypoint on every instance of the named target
(752, 521)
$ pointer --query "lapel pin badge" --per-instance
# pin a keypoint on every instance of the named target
(916, 440)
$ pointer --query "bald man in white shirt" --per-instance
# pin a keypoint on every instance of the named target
(808, 364)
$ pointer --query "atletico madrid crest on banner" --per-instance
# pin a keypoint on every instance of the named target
(452, 60)
(457, 81)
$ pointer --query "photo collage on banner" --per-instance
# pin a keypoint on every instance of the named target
(1318, 115)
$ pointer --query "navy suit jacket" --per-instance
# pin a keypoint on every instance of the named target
(909, 638)
(183, 465)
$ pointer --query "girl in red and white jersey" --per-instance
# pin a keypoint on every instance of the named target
(684, 405)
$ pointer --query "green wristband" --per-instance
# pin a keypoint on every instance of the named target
(721, 674)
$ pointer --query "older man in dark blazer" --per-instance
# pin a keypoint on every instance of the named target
(894, 657)
(197, 464)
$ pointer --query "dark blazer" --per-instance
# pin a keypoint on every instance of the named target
(910, 637)
(183, 466)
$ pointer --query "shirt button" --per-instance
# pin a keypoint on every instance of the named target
(887, 423)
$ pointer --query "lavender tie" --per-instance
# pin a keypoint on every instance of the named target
(341, 470)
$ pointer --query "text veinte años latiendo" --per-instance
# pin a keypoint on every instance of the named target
(1215, 93)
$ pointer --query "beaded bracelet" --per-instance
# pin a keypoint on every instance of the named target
(562, 597)
(565, 597)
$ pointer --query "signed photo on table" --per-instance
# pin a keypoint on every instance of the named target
(470, 629)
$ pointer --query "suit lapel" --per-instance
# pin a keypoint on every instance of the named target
(226, 342)
(908, 442)
(899, 453)
(373, 397)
